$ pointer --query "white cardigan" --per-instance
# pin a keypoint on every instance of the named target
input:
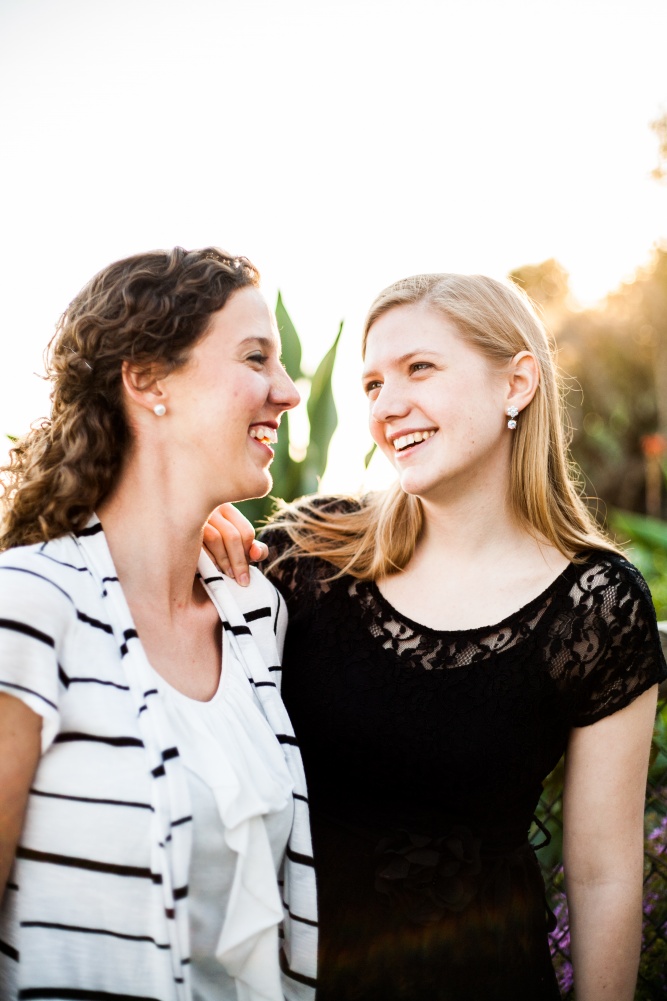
(96, 904)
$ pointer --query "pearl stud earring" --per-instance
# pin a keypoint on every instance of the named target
(512, 413)
(159, 410)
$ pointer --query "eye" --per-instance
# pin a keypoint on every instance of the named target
(420, 366)
(257, 358)
(372, 386)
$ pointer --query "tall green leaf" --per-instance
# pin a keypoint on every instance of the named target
(322, 414)
(292, 479)
(290, 341)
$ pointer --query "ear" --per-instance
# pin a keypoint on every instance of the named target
(524, 378)
(143, 385)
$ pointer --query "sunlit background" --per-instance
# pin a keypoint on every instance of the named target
(340, 145)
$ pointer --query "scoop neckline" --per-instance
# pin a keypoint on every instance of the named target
(501, 624)
(225, 664)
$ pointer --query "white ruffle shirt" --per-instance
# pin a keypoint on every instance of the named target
(242, 808)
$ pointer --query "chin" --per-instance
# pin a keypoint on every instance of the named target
(253, 491)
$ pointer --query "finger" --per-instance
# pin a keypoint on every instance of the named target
(259, 551)
(228, 513)
(215, 548)
(224, 538)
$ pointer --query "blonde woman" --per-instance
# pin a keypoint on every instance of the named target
(448, 640)
(149, 776)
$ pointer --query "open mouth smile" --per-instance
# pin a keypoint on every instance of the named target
(408, 441)
(264, 434)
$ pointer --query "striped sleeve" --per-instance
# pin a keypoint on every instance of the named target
(35, 616)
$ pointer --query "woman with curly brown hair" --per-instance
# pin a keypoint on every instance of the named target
(147, 793)
(449, 639)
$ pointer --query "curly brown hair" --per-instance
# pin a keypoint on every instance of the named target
(147, 309)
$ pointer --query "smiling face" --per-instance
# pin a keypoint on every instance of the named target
(437, 405)
(224, 406)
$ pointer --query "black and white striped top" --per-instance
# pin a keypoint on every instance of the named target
(96, 905)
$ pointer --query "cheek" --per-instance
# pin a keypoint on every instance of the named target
(377, 432)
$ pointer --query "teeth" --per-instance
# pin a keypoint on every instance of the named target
(410, 439)
(268, 436)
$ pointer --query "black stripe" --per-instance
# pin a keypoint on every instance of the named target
(258, 613)
(61, 563)
(183, 820)
(64, 680)
(94, 931)
(90, 864)
(180, 893)
(9, 950)
(285, 738)
(151, 691)
(264, 684)
(158, 772)
(209, 580)
(90, 530)
(295, 917)
(299, 977)
(21, 627)
(236, 630)
(297, 795)
(106, 580)
(97, 681)
(277, 668)
(33, 573)
(30, 691)
(74, 994)
(129, 634)
(11, 886)
(275, 617)
(66, 738)
(95, 623)
(298, 857)
(171, 752)
(91, 799)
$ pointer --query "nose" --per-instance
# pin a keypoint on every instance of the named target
(388, 404)
(283, 391)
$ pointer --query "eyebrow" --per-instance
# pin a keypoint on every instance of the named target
(264, 342)
(403, 358)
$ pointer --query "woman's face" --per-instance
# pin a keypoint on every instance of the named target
(225, 404)
(437, 405)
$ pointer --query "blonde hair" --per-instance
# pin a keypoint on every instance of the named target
(377, 535)
(148, 309)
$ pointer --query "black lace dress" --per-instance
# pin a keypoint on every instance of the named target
(425, 752)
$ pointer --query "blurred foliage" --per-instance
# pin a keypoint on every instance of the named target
(648, 551)
(659, 126)
(614, 362)
(293, 477)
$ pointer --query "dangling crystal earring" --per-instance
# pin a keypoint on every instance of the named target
(512, 413)
(159, 410)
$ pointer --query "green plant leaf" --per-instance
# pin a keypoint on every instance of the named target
(369, 455)
(640, 528)
(290, 341)
(321, 414)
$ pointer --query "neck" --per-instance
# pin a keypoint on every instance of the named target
(154, 534)
(474, 525)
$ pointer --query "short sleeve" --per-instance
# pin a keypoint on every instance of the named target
(617, 648)
(35, 614)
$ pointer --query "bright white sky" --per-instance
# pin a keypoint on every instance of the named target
(340, 144)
